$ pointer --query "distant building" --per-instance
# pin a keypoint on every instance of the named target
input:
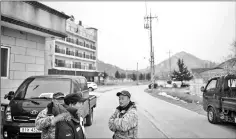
(196, 72)
(26, 28)
(207, 73)
(77, 53)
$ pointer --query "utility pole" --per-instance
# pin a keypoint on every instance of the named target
(169, 62)
(148, 26)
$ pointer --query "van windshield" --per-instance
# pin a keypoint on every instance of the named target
(43, 87)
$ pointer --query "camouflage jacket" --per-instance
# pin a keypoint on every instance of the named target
(43, 123)
(124, 126)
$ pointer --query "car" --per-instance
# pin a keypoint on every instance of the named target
(50, 95)
(92, 86)
(33, 95)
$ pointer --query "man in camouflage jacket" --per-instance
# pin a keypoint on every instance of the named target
(46, 123)
(124, 122)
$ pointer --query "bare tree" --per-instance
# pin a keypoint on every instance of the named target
(234, 48)
(233, 52)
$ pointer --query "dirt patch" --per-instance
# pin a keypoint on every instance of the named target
(189, 102)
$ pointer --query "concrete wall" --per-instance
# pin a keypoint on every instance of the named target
(36, 16)
(26, 58)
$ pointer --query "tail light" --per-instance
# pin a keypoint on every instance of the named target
(8, 114)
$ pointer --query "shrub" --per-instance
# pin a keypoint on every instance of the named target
(155, 85)
(175, 85)
(169, 82)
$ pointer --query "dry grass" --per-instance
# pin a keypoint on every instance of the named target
(183, 95)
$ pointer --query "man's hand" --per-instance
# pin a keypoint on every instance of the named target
(61, 117)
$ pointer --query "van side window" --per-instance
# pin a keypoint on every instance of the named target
(212, 84)
(76, 86)
(83, 84)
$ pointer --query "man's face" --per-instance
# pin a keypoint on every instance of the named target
(123, 100)
(77, 105)
(59, 100)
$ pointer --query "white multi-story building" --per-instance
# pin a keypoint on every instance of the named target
(77, 53)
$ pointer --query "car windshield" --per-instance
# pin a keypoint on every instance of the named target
(43, 87)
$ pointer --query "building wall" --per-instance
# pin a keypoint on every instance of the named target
(30, 14)
(26, 57)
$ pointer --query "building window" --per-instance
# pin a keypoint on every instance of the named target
(5, 56)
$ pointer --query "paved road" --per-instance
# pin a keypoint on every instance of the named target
(157, 119)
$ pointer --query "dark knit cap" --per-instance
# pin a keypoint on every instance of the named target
(74, 98)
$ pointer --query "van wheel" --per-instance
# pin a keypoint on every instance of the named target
(89, 118)
(211, 115)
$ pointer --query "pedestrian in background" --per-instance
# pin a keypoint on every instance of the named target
(124, 121)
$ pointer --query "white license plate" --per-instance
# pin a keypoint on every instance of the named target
(29, 130)
(235, 119)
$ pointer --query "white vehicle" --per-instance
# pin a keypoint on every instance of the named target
(92, 86)
(49, 95)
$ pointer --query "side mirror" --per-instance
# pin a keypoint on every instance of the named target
(202, 88)
(9, 96)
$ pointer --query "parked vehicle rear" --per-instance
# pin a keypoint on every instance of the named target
(219, 99)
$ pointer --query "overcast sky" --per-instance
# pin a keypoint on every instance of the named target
(204, 29)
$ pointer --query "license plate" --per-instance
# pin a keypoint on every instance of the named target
(235, 119)
(29, 130)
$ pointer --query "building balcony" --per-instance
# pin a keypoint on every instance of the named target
(92, 57)
(58, 50)
(76, 42)
(70, 53)
(62, 65)
(80, 45)
(78, 55)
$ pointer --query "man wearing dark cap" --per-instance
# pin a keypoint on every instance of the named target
(74, 104)
(56, 112)
(124, 122)
(76, 100)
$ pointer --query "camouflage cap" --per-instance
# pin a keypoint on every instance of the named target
(124, 92)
